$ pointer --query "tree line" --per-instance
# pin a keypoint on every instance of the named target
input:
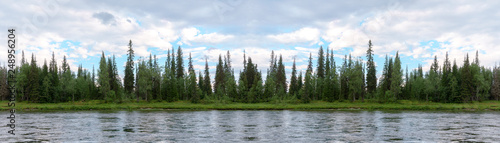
(352, 80)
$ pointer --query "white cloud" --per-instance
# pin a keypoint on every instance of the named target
(306, 34)
(192, 34)
(458, 28)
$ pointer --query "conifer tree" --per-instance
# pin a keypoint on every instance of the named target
(33, 77)
(320, 71)
(371, 78)
(466, 84)
(207, 84)
(180, 63)
(396, 79)
(280, 76)
(446, 80)
(103, 79)
(219, 77)
(128, 80)
(433, 82)
(293, 80)
(344, 78)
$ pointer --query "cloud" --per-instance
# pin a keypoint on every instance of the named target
(105, 18)
(306, 34)
(192, 34)
(257, 26)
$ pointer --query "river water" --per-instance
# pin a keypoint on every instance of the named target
(258, 126)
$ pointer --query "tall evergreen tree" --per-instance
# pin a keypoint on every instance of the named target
(433, 81)
(446, 80)
(67, 82)
(128, 81)
(219, 77)
(180, 63)
(344, 78)
(280, 76)
(355, 80)
(466, 84)
(308, 83)
(308, 88)
(207, 84)
(300, 84)
(371, 78)
(103, 79)
(33, 86)
(320, 71)
(396, 79)
(156, 73)
(293, 80)
(193, 90)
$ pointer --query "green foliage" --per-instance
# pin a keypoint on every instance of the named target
(308, 90)
(281, 77)
(396, 79)
(103, 80)
(355, 82)
(448, 84)
(219, 77)
(371, 78)
(32, 90)
(180, 63)
(294, 85)
(207, 84)
(466, 80)
(128, 80)
(495, 84)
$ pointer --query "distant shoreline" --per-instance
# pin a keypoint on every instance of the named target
(315, 105)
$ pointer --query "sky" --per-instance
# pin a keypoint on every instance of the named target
(418, 30)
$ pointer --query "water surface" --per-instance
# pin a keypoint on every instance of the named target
(259, 126)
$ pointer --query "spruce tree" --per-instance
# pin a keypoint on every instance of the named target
(219, 77)
(293, 80)
(308, 83)
(433, 82)
(67, 80)
(207, 84)
(300, 86)
(466, 85)
(396, 79)
(180, 63)
(200, 84)
(103, 79)
(128, 80)
(320, 71)
(344, 78)
(33, 77)
(191, 89)
(308, 88)
(446, 80)
(371, 78)
(280, 76)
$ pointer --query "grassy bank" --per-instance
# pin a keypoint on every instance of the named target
(401, 105)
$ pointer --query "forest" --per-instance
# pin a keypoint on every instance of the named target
(349, 80)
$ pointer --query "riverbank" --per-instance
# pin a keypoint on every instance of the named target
(185, 105)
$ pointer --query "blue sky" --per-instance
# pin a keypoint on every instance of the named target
(419, 30)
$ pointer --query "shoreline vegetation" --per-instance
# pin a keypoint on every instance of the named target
(335, 83)
(313, 105)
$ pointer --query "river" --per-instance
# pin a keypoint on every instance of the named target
(259, 126)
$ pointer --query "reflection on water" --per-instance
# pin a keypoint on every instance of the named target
(260, 126)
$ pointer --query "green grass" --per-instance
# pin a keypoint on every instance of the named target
(186, 105)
